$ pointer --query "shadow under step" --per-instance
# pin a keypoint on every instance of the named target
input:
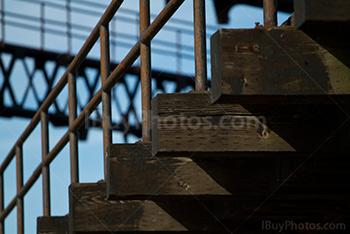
(53, 225)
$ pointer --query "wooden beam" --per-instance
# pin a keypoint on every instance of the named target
(189, 125)
(134, 172)
(52, 225)
(276, 66)
(90, 212)
(323, 15)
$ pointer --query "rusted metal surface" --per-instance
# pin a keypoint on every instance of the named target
(145, 72)
(76, 123)
(270, 13)
(45, 168)
(19, 179)
(200, 45)
(73, 136)
(106, 96)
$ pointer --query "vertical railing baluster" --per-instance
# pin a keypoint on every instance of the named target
(2, 223)
(145, 53)
(73, 137)
(45, 171)
(200, 47)
(19, 177)
(106, 96)
(270, 13)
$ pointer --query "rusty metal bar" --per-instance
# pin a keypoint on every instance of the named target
(49, 158)
(42, 25)
(145, 72)
(106, 96)
(118, 72)
(270, 13)
(45, 171)
(2, 201)
(19, 179)
(73, 136)
(200, 47)
(76, 62)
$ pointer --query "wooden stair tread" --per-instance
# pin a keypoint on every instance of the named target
(322, 15)
(239, 178)
(188, 122)
(90, 211)
(279, 65)
(53, 225)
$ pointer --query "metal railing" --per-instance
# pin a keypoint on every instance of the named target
(101, 30)
(109, 80)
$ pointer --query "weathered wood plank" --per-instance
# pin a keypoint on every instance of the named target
(90, 212)
(276, 66)
(189, 124)
(322, 15)
(53, 225)
(134, 172)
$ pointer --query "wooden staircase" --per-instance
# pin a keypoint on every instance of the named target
(270, 142)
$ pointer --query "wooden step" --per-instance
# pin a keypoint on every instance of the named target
(53, 225)
(90, 212)
(134, 173)
(188, 124)
(279, 65)
(322, 15)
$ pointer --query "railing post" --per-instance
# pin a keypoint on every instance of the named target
(106, 96)
(2, 223)
(73, 137)
(200, 45)
(270, 13)
(145, 51)
(19, 177)
(45, 171)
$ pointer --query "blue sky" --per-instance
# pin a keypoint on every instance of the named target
(90, 151)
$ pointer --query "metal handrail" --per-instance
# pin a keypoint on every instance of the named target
(76, 122)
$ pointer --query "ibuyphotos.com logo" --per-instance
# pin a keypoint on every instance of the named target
(290, 225)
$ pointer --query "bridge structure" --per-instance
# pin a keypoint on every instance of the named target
(30, 70)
